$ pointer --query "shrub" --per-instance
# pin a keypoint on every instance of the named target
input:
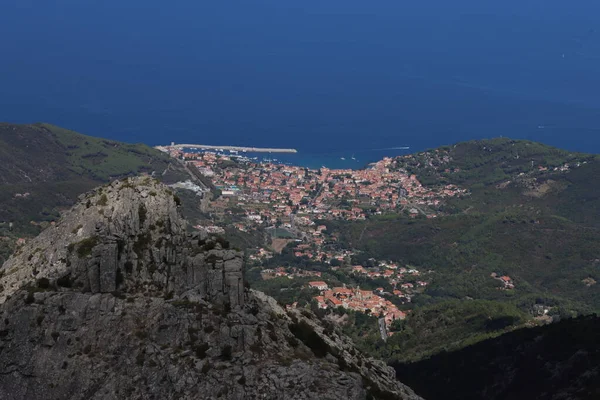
(177, 200)
(29, 299)
(84, 247)
(141, 243)
(142, 214)
(223, 242)
(43, 283)
(103, 201)
(209, 246)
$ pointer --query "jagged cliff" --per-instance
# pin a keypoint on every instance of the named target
(118, 301)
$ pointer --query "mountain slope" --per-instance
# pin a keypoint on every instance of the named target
(44, 166)
(557, 361)
(502, 172)
(43, 153)
(532, 213)
(537, 222)
(118, 301)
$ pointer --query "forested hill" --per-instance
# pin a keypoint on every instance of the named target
(489, 161)
(531, 213)
(43, 167)
(503, 173)
(557, 361)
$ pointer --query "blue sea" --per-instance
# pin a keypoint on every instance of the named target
(334, 79)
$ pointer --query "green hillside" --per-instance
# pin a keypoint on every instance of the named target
(532, 212)
(44, 168)
(557, 361)
(503, 173)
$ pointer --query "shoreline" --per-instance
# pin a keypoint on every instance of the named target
(228, 148)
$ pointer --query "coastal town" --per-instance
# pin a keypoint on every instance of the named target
(294, 206)
(274, 193)
(294, 203)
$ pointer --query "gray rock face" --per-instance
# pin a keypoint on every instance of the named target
(117, 301)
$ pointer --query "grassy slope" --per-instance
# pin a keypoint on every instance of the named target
(481, 165)
(104, 160)
(55, 165)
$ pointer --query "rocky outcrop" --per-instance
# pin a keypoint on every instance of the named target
(118, 301)
(128, 236)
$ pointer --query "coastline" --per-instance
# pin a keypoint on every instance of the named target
(228, 148)
(341, 159)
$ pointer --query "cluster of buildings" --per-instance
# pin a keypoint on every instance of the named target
(356, 299)
(507, 282)
(290, 273)
(563, 168)
(260, 254)
(314, 250)
(296, 198)
(271, 193)
(397, 278)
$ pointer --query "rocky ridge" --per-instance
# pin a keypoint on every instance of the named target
(118, 300)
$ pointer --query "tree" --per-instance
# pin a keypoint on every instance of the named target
(396, 325)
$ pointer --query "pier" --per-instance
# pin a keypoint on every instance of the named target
(228, 148)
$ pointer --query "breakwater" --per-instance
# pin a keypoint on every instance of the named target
(227, 148)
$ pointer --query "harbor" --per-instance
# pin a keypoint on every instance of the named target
(242, 149)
